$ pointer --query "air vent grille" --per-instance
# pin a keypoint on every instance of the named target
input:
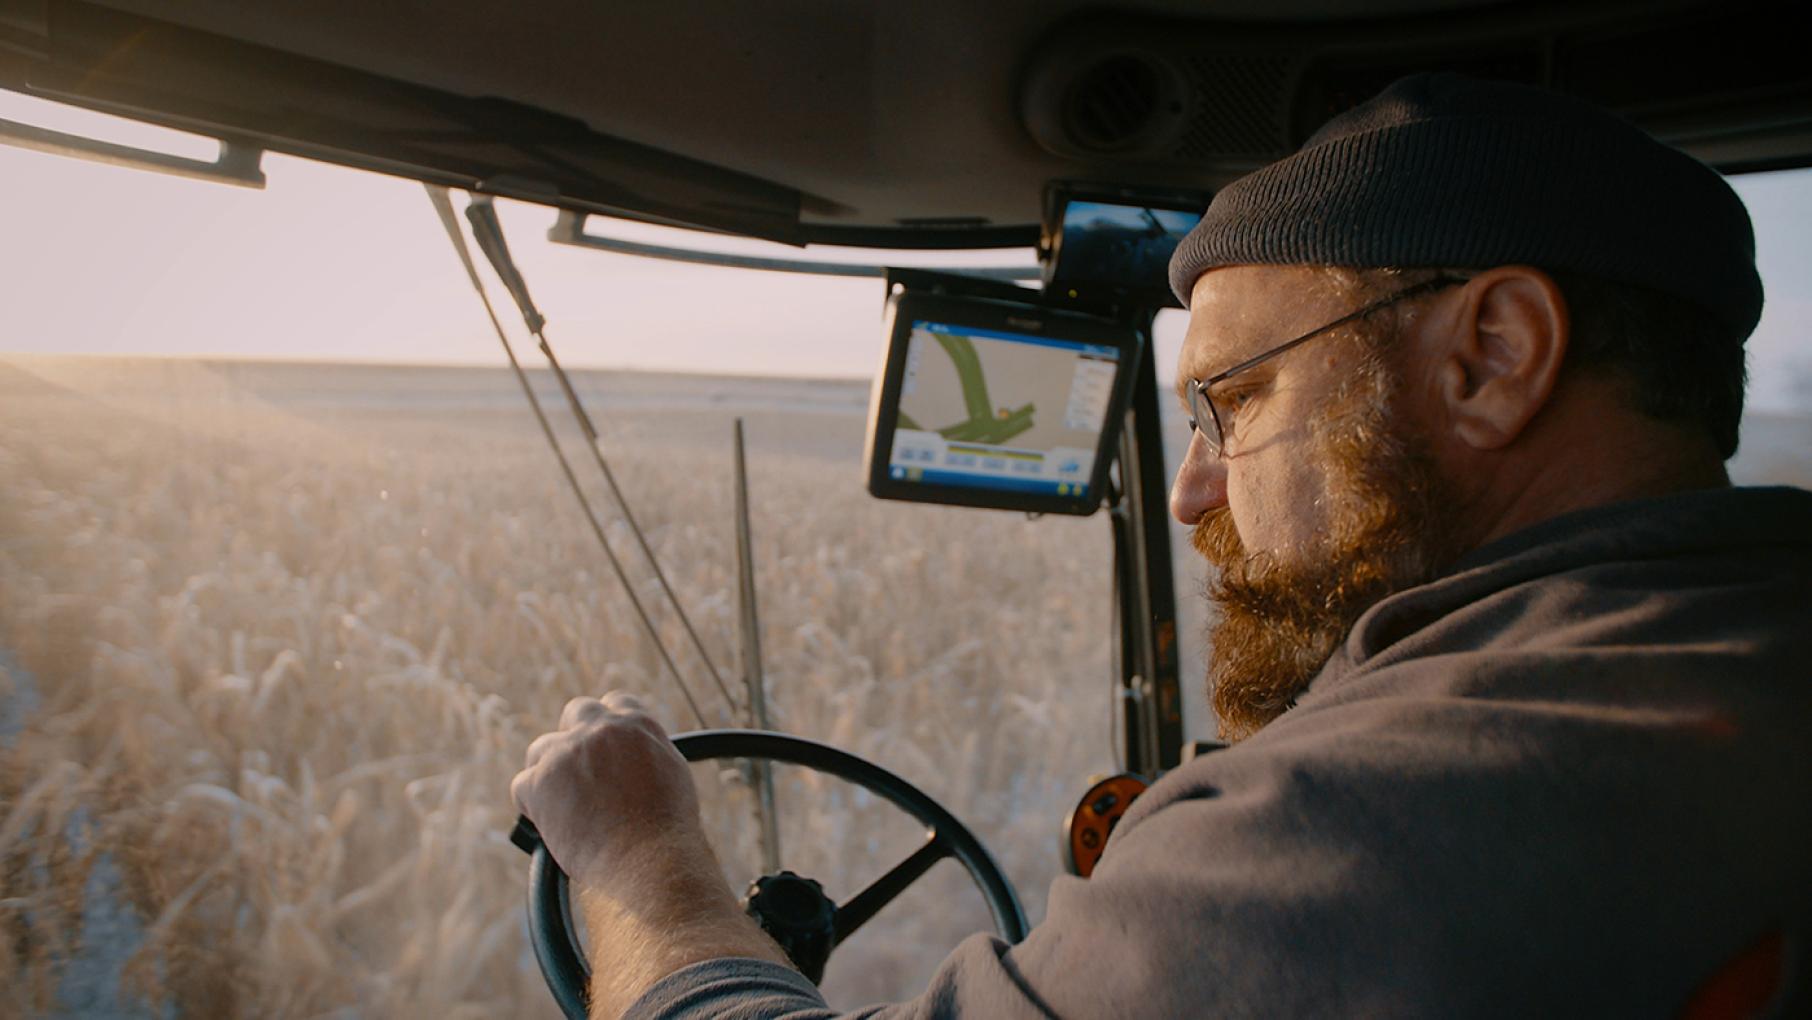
(1239, 107)
(1111, 105)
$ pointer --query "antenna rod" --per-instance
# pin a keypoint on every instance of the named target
(489, 233)
(750, 626)
(444, 206)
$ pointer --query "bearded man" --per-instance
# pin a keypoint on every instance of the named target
(1517, 681)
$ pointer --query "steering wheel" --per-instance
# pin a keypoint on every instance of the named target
(794, 900)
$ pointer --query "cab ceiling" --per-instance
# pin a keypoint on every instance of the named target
(900, 123)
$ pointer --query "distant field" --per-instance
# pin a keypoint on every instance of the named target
(273, 639)
(276, 637)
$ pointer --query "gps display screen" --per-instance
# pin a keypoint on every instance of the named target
(1002, 411)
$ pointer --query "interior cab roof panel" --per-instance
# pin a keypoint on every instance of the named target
(930, 124)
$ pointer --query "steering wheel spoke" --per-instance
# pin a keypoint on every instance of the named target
(882, 891)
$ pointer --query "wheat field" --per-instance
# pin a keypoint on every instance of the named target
(267, 666)
(273, 639)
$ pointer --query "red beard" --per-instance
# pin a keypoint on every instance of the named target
(1280, 621)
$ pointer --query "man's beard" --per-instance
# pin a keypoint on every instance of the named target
(1281, 621)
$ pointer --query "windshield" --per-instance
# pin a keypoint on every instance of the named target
(290, 579)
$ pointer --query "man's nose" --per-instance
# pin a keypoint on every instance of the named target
(1201, 482)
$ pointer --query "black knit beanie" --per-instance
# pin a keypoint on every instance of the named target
(1445, 170)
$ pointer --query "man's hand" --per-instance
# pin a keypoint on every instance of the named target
(615, 804)
(607, 781)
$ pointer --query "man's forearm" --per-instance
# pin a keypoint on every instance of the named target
(660, 908)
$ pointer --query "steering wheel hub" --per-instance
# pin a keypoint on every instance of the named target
(794, 911)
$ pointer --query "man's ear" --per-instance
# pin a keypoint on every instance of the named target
(1503, 356)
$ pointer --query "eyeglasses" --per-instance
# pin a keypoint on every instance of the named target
(1206, 418)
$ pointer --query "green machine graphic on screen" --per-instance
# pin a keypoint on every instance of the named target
(986, 423)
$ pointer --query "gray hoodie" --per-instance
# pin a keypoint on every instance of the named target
(1571, 777)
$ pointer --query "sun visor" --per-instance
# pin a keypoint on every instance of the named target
(212, 84)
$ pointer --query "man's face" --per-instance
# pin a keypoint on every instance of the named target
(1324, 499)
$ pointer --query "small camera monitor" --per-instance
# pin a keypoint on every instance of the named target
(994, 403)
(1114, 246)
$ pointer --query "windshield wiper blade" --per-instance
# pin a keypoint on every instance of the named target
(490, 238)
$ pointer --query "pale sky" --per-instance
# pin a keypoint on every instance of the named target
(333, 264)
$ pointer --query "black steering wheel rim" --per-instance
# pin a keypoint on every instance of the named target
(555, 938)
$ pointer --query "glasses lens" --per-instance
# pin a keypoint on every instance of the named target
(1202, 417)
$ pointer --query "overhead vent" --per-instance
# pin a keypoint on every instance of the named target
(1116, 103)
(1204, 101)
(1114, 91)
(1239, 110)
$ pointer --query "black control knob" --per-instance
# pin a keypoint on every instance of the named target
(794, 911)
